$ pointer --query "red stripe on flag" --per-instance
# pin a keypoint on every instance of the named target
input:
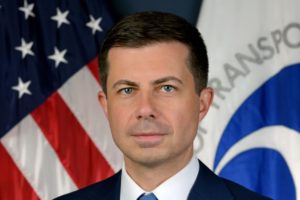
(13, 184)
(78, 154)
(93, 67)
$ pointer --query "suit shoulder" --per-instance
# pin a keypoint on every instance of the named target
(210, 186)
(105, 188)
(240, 192)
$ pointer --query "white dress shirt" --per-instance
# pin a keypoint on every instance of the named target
(176, 187)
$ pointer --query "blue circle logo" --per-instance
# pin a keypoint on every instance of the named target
(260, 146)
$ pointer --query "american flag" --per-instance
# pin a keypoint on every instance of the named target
(54, 135)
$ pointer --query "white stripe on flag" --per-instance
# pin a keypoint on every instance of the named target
(80, 94)
(36, 160)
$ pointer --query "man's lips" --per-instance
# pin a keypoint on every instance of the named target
(148, 139)
(148, 134)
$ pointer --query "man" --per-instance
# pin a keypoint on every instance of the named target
(154, 70)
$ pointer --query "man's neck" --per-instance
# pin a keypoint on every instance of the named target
(148, 177)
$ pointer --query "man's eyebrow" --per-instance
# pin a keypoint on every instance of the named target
(166, 79)
(124, 82)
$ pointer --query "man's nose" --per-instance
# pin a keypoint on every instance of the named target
(146, 107)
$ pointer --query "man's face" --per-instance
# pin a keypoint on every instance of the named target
(151, 103)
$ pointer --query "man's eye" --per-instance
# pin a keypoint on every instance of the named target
(168, 88)
(126, 90)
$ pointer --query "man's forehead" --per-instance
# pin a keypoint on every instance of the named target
(151, 63)
(164, 53)
(128, 47)
(152, 82)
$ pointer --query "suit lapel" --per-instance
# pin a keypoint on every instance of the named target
(108, 189)
(208, 186)
(114, 193)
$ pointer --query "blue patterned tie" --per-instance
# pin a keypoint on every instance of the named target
(149, 196)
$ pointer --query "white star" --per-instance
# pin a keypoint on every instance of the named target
(25, 48)
(27, 9)
(22, 87)
(58, 56)
(94, 24)
(60, 17)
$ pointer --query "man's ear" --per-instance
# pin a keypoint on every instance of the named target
(206, 97)
(103, 101)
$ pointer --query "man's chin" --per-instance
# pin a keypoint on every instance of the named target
(150, 160)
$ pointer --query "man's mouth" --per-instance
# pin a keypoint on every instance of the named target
(148, 140)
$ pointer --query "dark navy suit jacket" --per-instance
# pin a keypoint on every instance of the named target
(207, 186)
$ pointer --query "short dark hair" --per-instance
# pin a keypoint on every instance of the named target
(141, 29)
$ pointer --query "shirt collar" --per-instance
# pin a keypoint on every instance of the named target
(181, 182)
(129, 189)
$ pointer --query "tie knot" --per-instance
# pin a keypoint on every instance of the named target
(149, 196)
